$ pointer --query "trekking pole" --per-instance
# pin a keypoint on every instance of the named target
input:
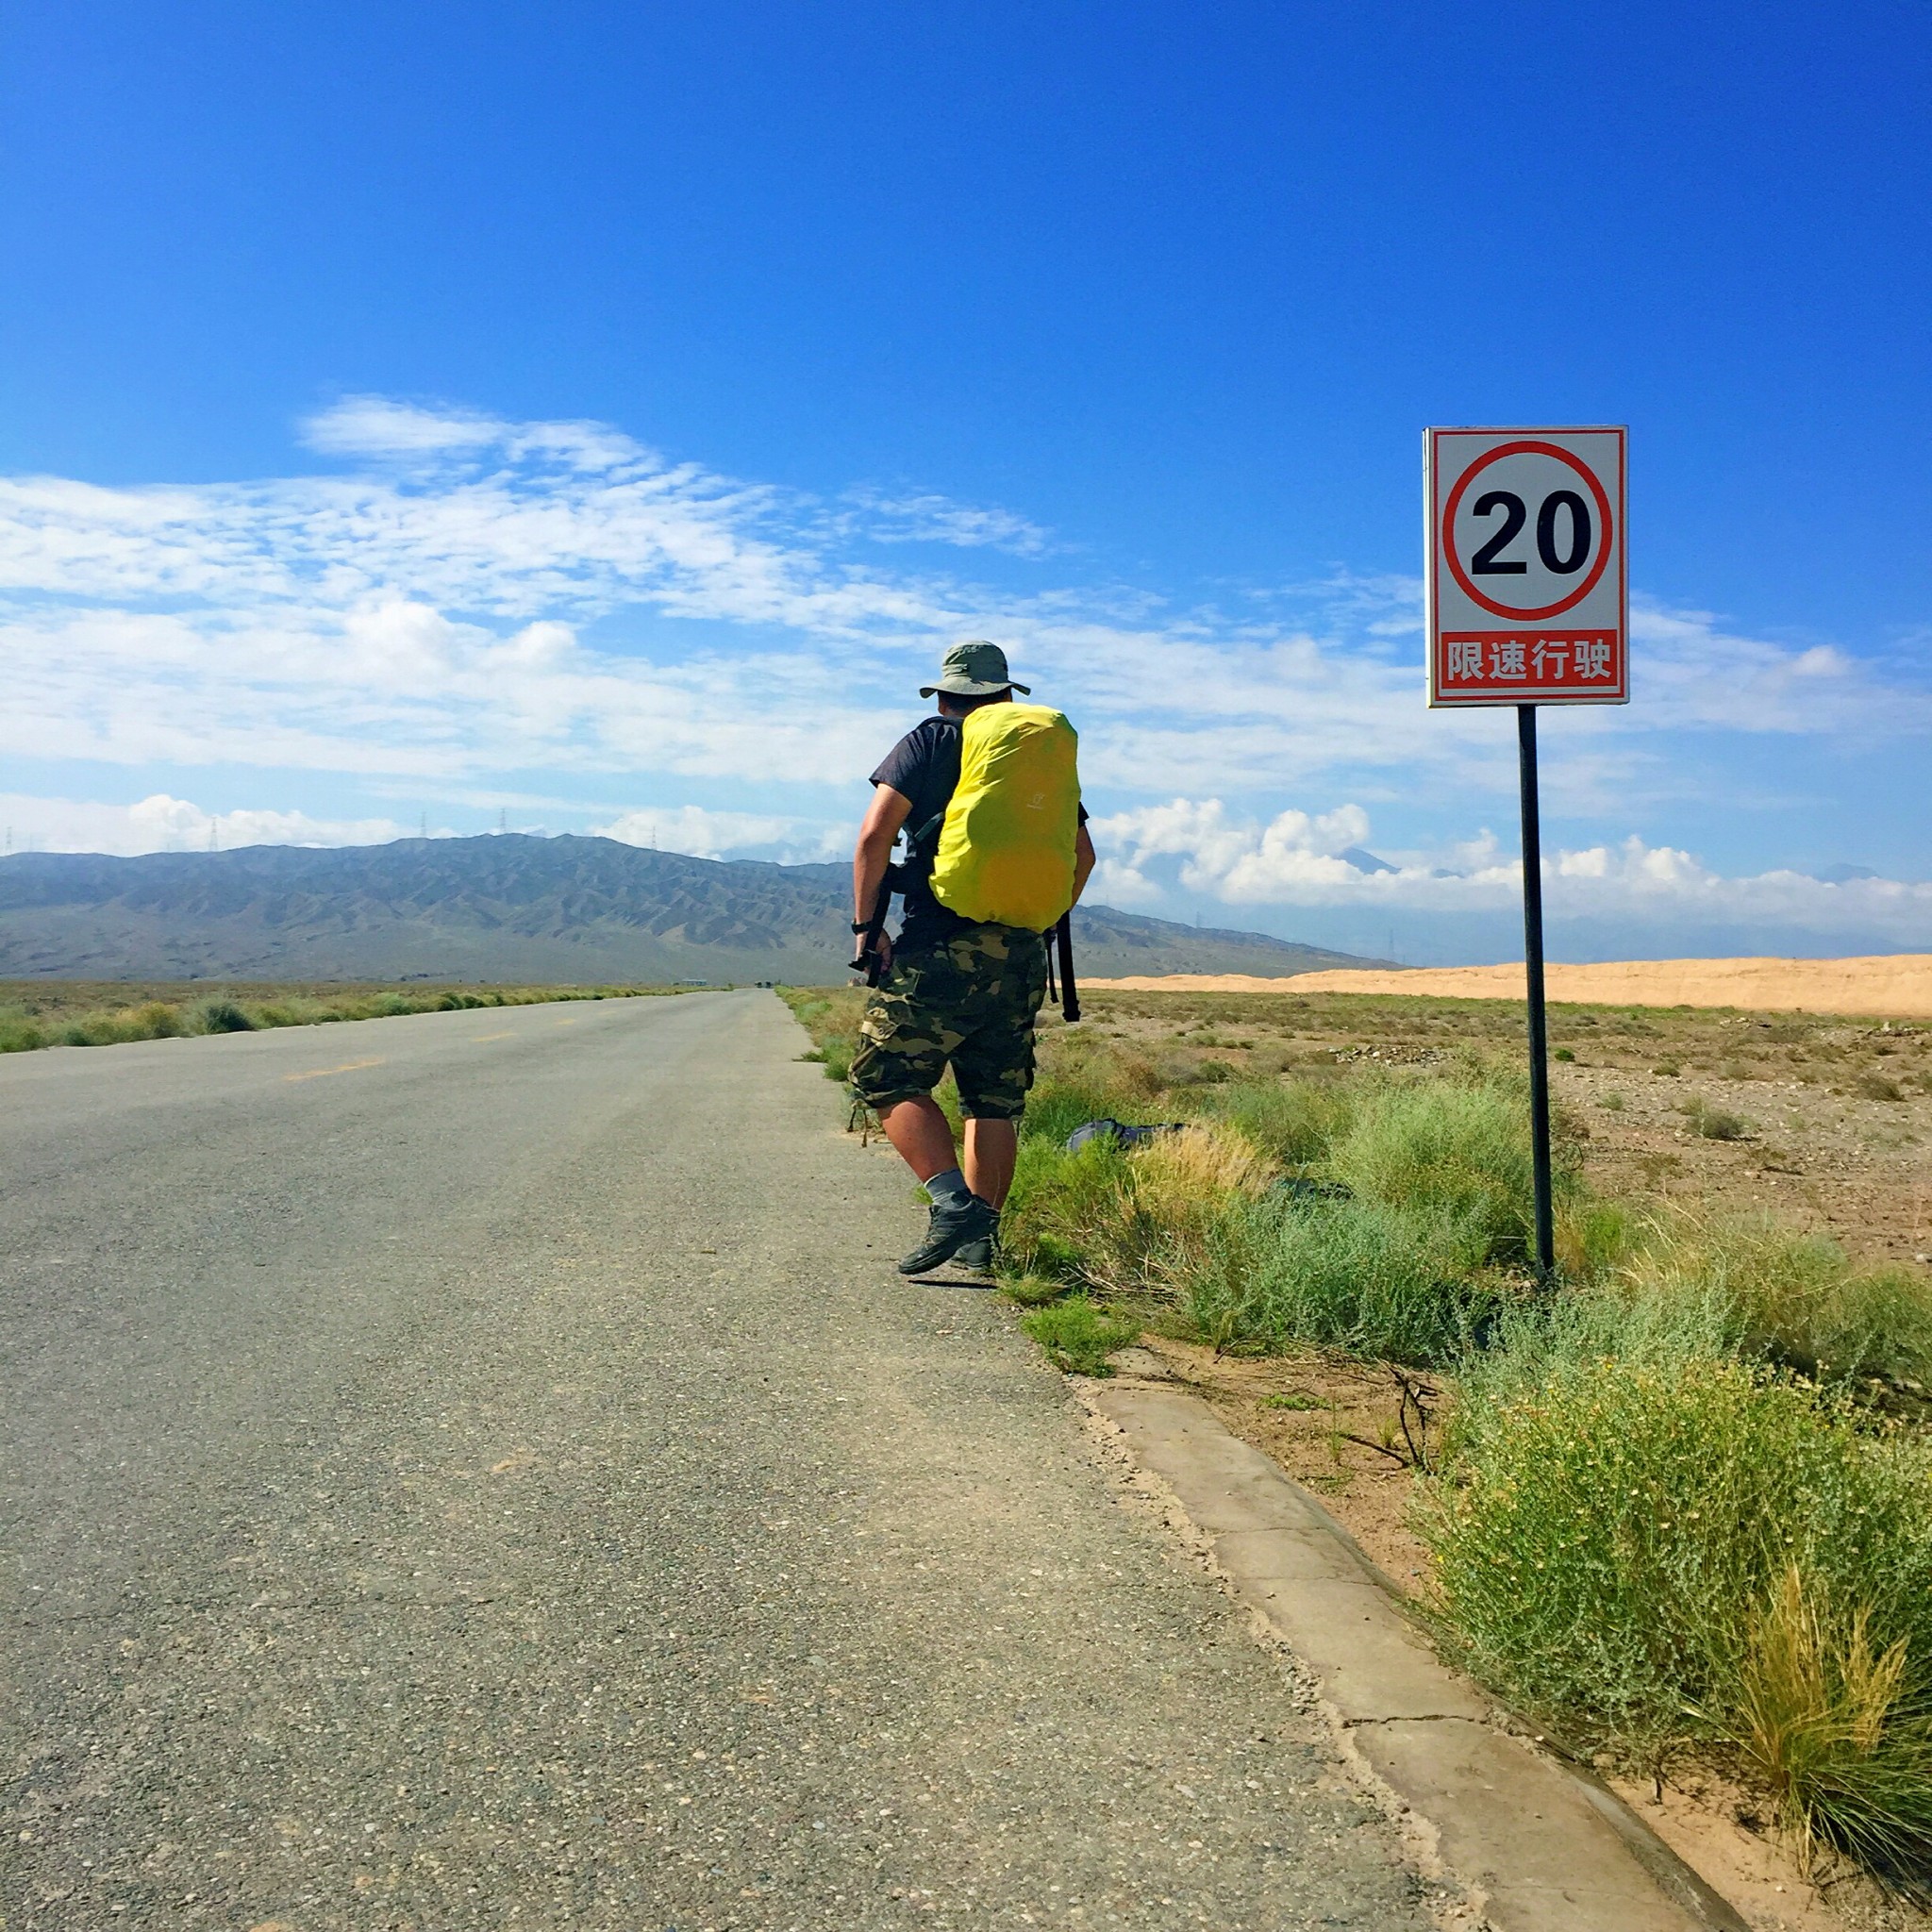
(1064, 943)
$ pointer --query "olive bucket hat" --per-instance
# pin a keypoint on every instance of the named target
(976, 669)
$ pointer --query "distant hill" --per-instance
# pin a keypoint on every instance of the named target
(509, 908)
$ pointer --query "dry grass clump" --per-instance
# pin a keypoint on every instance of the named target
(47, 1020)
(1131, 1224)
(1197, 1172)
(1821, 1718)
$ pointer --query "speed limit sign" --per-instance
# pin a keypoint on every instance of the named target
(1525, 583)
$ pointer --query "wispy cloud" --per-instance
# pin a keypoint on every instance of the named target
(456, 604)
(926, 518)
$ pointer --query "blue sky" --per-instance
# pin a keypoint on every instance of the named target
(601, 415)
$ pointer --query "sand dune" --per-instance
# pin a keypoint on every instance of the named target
(1897, 986)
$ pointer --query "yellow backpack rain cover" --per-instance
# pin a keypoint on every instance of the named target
(1005, 851)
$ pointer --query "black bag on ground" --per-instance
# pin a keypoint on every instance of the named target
(1119, 1132)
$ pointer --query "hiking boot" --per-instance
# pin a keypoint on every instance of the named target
(949, 1230)
(977, 1257)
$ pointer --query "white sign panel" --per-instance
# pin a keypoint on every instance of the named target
(1524, 579)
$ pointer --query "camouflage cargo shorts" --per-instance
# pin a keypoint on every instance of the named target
(971, 1000)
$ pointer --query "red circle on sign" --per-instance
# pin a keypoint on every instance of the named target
(1603, 507)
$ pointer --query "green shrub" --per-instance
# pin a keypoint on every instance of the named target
(1295, 1125)
(1078, 1337)
(1057, 1201)
(1608, 1529)
(20, 1035)
(1395, 1282)
(221, 1016)
(1790, 1297)
(1605, 1524)
(1715, 1122)
(1594, 1236)
(1032, 1291)
(1455, 1153)
(152, 1019)
(1089, 1082)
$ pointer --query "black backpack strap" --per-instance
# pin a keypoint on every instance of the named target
(922, 851)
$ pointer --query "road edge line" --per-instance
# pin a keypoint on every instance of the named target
(1536, 1843)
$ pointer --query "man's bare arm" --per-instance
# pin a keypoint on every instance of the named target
(873, 852)
(1085, 858)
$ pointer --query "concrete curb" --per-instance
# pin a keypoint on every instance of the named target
(1534, 1844)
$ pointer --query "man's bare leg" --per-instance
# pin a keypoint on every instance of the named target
(991, 1148)
(922, 1136)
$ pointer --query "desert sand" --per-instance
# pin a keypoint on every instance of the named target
(1896, 986)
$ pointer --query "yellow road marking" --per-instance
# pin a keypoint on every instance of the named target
(346, 1066)
(508, 1033)
(571, 1021)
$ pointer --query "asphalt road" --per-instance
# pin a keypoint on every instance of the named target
(481, 1470)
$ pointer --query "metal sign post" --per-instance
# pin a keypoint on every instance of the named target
(1527, 604)
(1533, 973)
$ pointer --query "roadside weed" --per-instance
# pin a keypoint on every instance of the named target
(1790, 1297)
(1386, 1282)
(1293, 1125)
(1458, 1150)
(1078, 1337)
(1602, 1524)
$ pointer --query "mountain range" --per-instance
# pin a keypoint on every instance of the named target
(504, 907)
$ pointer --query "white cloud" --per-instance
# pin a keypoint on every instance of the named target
(163, 824)
(1692, 673)
(703, 834)
(1297, 860)
(1242, 863)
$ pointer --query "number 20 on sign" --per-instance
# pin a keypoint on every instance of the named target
(1526, 585)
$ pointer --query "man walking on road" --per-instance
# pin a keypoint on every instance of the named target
(955, 989)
